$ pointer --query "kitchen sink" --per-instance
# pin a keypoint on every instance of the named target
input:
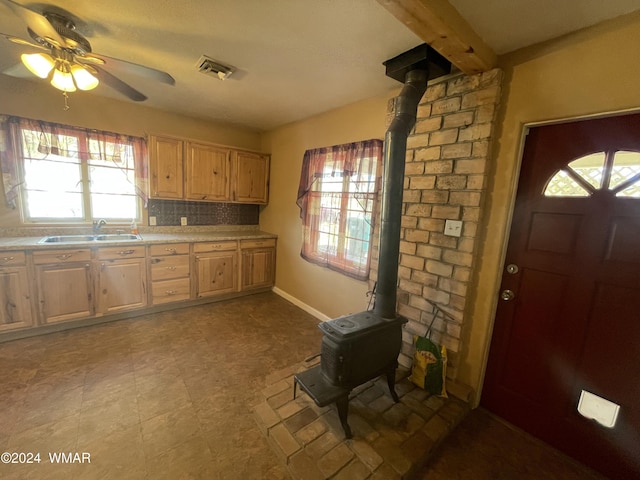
(67, 238)
(107, 237)
(117, 237)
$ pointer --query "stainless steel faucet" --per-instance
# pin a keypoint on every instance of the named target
(98, 224)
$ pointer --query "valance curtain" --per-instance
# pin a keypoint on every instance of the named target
(337, 196)
(94, 144)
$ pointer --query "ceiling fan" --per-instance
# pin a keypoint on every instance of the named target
(68, 61)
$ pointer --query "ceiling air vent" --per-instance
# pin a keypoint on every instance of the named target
(212, 67)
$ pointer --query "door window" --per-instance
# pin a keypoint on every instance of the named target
(614, 171)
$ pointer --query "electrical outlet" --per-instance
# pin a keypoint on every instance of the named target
(152, 221)
(453, 228)
(183, 221)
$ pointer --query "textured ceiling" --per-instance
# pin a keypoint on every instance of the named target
(507, 25)
(294, 58)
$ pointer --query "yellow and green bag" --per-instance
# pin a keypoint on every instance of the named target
(429, 364)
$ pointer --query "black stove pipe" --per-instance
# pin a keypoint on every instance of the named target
(395, 151)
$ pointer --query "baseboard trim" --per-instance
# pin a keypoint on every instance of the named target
(300, 304)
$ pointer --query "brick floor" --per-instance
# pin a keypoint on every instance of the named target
(390, 440)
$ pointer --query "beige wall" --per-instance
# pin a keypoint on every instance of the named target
(326, 291)
(594, 72)
(37, 99)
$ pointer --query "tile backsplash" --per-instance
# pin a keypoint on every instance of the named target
(169, 212)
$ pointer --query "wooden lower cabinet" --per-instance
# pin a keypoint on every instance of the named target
(170, 273)
(258, 263)
(74, 284)
(216, 272)
(122, 279)
(65, 284)
(65, 291)
(15, 300)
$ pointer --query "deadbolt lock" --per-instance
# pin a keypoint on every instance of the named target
(512, 268)
(507, 295)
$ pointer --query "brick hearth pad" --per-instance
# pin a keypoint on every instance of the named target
(390, 441)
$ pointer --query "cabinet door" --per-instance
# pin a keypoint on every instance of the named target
(65, 292)
(258, 268)
(123, 285)
(216, 273)
(207, 173)
(165, 167)
(15, 303)
(250, 177)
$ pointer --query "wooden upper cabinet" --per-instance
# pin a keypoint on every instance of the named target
(250, 177)
(166, 167)
(191, 170)
(207, 172)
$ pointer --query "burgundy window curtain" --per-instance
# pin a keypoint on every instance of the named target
(337, 197)
(95, 144)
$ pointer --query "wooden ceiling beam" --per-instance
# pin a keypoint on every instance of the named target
(439, 24)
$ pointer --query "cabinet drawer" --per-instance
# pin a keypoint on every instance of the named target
(12, 258)
(258, 243)
(124, 251)
(62, 256)
(163, 268)
(170, 290)
(214, 246)
(169, 249)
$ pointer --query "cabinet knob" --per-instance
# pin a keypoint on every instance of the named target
(125, 252)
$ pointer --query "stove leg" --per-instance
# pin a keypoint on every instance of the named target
(343, 410)
(391, 381)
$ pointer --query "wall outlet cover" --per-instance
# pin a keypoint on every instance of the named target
(152, 221)
(183, 221)
(453, 228)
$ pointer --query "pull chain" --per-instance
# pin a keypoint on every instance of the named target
(66, 101)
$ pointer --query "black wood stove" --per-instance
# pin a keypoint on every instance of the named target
(359, 347)
(355, 349)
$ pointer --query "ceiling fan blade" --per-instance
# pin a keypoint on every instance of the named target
(37, 23)
(90, 59)
(20, 41)
(122, 66)
(118, 85)
(18, 71)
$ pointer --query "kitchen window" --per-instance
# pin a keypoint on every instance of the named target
(74, 175)
(337, 197)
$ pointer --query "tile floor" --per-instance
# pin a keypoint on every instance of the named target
(164, 396)
(171, 396)
(485, 448)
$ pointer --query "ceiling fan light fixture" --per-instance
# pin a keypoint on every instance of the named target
(83, 78)
(62, 78)
(40, 64)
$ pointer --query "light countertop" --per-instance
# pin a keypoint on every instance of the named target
(31, 243)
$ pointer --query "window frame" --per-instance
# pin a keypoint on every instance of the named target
(311, 196)
(606, 169)
(83, 137)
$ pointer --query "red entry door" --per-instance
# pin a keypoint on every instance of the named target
(569, 315)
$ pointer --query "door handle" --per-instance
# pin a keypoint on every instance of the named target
(507, 295)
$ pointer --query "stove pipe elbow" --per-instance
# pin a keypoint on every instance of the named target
(394, 153)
